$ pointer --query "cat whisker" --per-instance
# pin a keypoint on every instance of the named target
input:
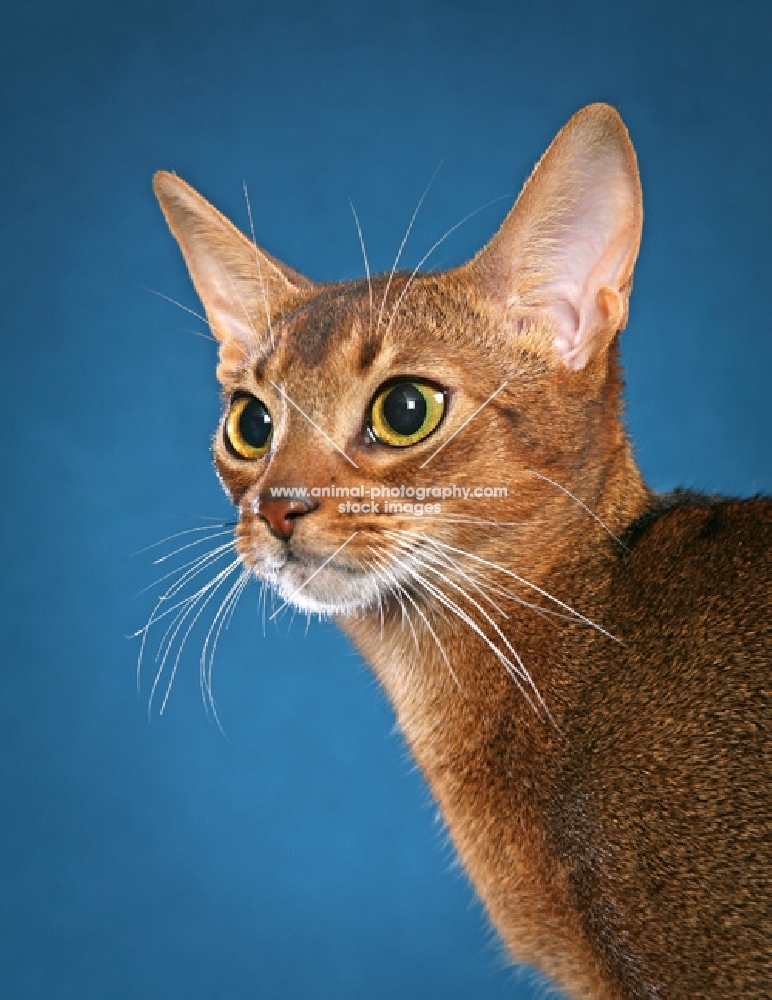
(388, 584)
(446, 559)
(550, 613)
(438, 594)
(517, 668)
(192, 312)
(396, 553)
(177, 534)
(367, 263)
(202, 601)
(581, 503)
(194, 333)
(399, 591)
(259, 270)
(527, 583)
(372, 569)
(428, 254)
(402, 246)
(181, 608)
(222, 618)
(189, 571)
(485, 582)
(471, 519)
(262, 601)
(248, 576)
(439, 558)
(190, 564)
(190, 545)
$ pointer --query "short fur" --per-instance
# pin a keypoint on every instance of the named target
(581, 668)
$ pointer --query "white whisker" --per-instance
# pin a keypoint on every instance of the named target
(213, 587)
(195, 568)
(192, 563)
(179, 305)
(262, 601)
(516, 671)
(526, 583)
(222, 618)
(367, 263)
(177, 534)
(190, 545)
(581, 504)
(428, 254)
(259, 269)
(482, 581)
(519, 669)
(454, 565)
(402, 247)
(405, 593)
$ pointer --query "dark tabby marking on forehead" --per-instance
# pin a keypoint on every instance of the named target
(321, 325)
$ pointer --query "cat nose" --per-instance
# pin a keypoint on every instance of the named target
(282, 513)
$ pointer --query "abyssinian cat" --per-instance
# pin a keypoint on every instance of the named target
(580, 667)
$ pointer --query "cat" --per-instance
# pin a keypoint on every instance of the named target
(580, 667)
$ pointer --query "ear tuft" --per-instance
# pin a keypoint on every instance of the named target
(241, 286)
(568, 247)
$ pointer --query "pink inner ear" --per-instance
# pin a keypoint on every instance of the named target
(568, 246)
(591, 256)
(593, 295)
(231, 316)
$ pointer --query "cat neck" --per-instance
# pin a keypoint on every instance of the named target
(487, 728)
(535, 591)
(492, 748)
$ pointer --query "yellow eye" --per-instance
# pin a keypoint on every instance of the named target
(248, 427)
(406, 412)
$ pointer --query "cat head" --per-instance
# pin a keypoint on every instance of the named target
(374, 430)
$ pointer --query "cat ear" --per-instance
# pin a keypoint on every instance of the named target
(241, 286)
(567, 248)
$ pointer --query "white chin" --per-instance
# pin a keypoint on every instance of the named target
(330, 591)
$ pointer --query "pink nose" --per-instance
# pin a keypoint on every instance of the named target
(282, 513)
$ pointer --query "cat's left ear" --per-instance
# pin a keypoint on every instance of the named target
(241, 286)
(565, 253)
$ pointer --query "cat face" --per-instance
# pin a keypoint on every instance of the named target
(374, 428)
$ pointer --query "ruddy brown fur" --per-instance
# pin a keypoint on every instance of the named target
(581, 668)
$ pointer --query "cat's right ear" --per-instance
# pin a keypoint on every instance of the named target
(241, 286)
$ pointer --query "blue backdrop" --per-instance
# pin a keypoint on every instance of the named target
(297, 856)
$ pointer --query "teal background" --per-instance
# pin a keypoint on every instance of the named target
(297, 856)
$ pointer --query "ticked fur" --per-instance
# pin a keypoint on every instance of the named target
(580, 668)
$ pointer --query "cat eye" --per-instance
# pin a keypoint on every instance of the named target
(404, 413)
(248, 427)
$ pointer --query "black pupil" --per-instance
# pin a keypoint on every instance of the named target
(255, 423)
(404, 409)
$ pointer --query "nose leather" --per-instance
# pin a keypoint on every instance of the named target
(281, 513)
